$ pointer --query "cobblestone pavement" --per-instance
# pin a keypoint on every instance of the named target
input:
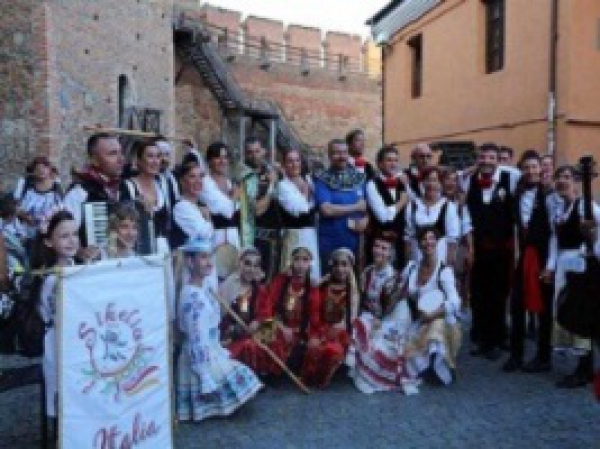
(485, 408)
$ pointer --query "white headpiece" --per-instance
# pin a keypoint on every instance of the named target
(164, 146)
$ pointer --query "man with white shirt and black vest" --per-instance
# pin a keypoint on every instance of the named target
(422, 158)
(490, 201)
(532, 291)
(98, 182)
(387, 197)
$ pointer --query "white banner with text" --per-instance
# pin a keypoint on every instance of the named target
(113, 347)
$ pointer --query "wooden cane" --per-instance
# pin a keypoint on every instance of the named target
(264, 347)
(130, 132)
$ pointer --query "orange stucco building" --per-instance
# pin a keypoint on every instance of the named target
(521, 73)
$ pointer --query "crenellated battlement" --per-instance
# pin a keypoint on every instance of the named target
(270, 40)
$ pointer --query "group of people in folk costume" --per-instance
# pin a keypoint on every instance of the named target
(362, 265)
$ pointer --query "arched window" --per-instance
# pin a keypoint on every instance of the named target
(124, 99)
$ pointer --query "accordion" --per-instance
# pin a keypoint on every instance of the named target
(96, 225)
(95, 218)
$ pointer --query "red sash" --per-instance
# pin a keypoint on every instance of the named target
(532, 290)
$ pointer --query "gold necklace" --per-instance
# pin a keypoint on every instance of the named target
(292, 297)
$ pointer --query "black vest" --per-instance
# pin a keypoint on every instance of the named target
(440, 222)
(222, 222)
(289, 221)
(95, 191)
(397, 225)
(369, 171)
(270, 219)
(160, 218)
(95, 194)
(568, 234)
(538, 231)
(493, 222)
(413, 182)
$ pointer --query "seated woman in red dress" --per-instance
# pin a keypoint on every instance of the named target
(292, 300)
(247, 297)
(336, 309)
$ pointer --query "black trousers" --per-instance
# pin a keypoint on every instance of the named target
(490, 286)
(518, 319)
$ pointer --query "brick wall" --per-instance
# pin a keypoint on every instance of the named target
(23, 109)
(346, 45)
(61, 60)
(305, 38)
(261, 33)
(94, 43)
(198, 116)
(221, 17)
(319, 106)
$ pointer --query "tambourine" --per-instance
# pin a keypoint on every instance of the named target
(431, 301)
(226, 259)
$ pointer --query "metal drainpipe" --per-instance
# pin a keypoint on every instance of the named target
(383, 49)
(552, 91)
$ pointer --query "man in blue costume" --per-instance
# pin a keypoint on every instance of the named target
(340, 199)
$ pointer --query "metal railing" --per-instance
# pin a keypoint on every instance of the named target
(231, 44)
(202, 48)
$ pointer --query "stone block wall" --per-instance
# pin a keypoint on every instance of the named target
(23, 77)
(96, 43)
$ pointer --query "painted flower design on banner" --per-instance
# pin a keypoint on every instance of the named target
(119, 361)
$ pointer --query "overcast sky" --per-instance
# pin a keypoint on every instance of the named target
(330, 15)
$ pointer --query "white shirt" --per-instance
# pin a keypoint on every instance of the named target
(466, 223)
(419, 214)
(444, 279)
(526, 205)
(73, 202)
(191, 221)
(558, 214)
(383, 213)
(291, 199)
(218, 203)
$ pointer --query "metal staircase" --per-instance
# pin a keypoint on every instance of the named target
(194, 45)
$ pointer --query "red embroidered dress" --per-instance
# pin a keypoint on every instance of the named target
(250, 305)
(333, 310)
(291, 302)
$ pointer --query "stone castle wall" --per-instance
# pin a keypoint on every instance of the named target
(319, 103)
(65, 64)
